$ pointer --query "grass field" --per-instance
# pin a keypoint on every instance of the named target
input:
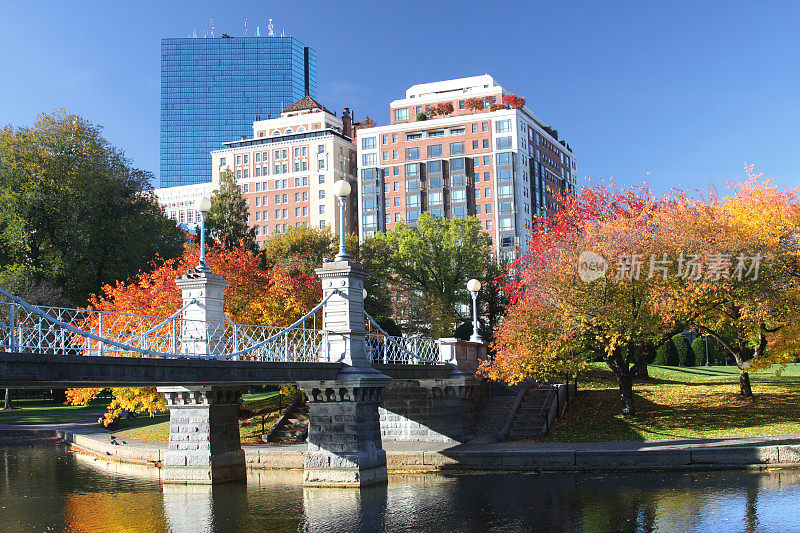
(683, 402)
(156, 428)
(38, 411)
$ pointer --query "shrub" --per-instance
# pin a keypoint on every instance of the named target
(666, 355)
(475, 104)
(463, 331)
(683, 349)
(421, 116)
(497, 107)
(389, 326)
(716, 352)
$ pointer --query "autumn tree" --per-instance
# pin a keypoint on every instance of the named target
(561, 316)
(514, 101)
(74, 212)
(430, 265)
(256, 295)
(226, 221)
(301, 247)
(740, 263)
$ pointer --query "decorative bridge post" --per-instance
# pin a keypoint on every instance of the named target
(204, 445)
(344, 437)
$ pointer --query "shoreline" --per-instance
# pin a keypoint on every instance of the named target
(749, 453)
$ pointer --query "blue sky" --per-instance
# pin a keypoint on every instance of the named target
(687, 91)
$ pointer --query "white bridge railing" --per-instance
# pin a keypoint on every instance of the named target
(57, 330)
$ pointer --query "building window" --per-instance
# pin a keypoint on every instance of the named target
(238, 160)
(504, 208)
(368, 143)
(412, 169)
(435, 150)
(321, 164)
(238, 174)
(457, 148)
(457, 131)
(503, 143)
(475, 145)
(322, 194)
(459, 211)
(395, 154)
(488, 223)
(322, 210)
(458, 195)
(222, 162)
(412, 154)
(502, 126)
(485, 126)
(412, 216)
(321, 179)
(487, 193)
(394, 137)
(412, 200)
(401, 114)
(322, 224)
(368, 160)
(386, 155)
(504, 191)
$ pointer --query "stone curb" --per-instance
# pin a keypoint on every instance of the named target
(685, 458)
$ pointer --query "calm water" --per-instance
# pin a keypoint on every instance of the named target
(46, 488)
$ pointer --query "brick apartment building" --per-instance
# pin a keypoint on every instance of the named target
(286, 172)
(475, 156)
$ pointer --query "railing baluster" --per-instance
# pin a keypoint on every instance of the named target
(100, 334)
(12, 326)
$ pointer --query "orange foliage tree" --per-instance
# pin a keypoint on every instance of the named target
(744, 289)
(260, 295)
(617, 270)
(556, 320)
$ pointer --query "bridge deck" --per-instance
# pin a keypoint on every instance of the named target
(48, 370)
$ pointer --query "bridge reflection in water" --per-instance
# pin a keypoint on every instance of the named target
(277, 501)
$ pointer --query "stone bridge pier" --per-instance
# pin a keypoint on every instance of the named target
(344, 434)
(204, 443)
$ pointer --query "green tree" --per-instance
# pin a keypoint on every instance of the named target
(430, 265)
(73, 210)
(683, 349)
(226, 221)
(379, 295)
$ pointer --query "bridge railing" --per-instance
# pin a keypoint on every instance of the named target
(388, 349)
(56, 330)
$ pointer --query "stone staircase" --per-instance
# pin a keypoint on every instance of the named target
(493, 415)
(530, 419)
(291, 426)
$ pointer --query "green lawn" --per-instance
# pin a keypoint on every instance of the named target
(156, 428)
(683, 402)
(38, 411)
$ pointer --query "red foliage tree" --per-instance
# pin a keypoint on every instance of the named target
(514, 101)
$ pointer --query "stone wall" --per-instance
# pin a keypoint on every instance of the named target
(429, 410)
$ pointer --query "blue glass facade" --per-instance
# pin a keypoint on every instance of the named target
(211, 90)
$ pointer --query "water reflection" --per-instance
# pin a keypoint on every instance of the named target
(48, 488)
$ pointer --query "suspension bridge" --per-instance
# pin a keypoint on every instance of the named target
(201, 360)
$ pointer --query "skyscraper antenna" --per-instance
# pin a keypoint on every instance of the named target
(212, 27)
(258, 31)
(270, 29)
(194, 33)
(245, 27)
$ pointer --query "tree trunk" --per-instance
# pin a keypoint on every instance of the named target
(59, 396)
(744, 385)
(626, 394)
(641, 362)
(7, 402)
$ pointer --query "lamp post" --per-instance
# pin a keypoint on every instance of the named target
(203, 206)
(341, 189)
(473, 286)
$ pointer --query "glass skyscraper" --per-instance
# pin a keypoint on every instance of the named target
(212, 88)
